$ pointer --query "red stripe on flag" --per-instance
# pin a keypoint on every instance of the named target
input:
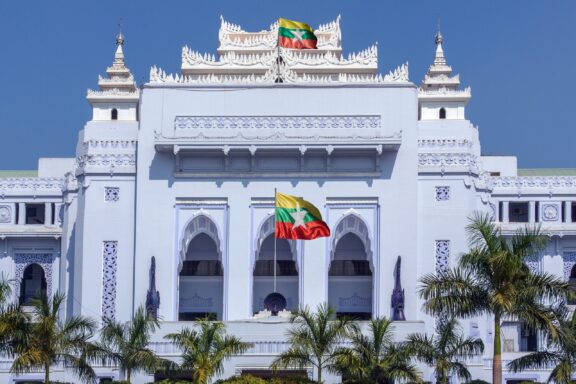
(310, 231)
(287, 42)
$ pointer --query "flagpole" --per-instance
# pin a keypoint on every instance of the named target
(274, 240)
(278, 56)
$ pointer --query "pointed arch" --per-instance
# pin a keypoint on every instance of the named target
(351, 271)
(114, 114)
(442, 113)
(262, 266)
(201, 270)
(33, 283)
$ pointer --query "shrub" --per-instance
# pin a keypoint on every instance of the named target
(478, 381)
(246, 379)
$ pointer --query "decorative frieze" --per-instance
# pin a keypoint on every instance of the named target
(110, 162)
(445, 143)
(569, 262)
(277, 122)
(109, 266)
(110, 144)
(449, 161)
(534, 182)
(31, 183)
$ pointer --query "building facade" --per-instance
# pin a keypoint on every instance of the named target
(183, 170)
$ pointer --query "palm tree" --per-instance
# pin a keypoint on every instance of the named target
(375, 358)
(13, 320)
(126, 344)
(560, 354)
(205, 347)
(315, 340)
(51, 341)
(493, 278)
(445, 350)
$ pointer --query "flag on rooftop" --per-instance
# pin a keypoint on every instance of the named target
(294, 34)
(296, 218)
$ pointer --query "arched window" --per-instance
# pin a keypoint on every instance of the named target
(572, 280)
(201, 282)
(286, 273)
(350, 282)
(114, 114)
(33, 284)
(442, 113)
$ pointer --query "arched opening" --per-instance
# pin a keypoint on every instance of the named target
(286, 274)
(572, 281)
(114, 114)
(350, 278)
(33, 284)
(442, 113)
(201, 280)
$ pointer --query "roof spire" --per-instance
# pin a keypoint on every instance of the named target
(439, 59)
(119, 55)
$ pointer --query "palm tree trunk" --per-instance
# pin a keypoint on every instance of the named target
(47, 373)
(497, 358)
(319, 374)
(128, 376)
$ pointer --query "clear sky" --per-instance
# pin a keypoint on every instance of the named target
(518, 57)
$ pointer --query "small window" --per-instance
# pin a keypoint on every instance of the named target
(574, 212)
(114, 114)
(518, 212)
(442, 113)
(442, 193)
(35, 213)
(494, 174)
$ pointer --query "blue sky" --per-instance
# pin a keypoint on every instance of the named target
(519, 57)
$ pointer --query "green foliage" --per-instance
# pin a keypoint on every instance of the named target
(248, 379)
(315, 340)
(49, 340)
(126, 345)
(205, 348)
(444, 350)
(375, 358)
(478, 381)
(493, 278)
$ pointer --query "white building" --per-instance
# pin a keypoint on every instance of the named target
(184, 169)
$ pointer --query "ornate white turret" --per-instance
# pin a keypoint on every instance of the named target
(118, 95)
(254, 57)
(439, 96)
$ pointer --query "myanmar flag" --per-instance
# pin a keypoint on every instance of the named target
(298, 219)
(293, 34)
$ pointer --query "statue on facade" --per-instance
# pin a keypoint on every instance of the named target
(398, 295)
(152, 296)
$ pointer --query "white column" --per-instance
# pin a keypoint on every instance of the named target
(48, 214)
(504, 211)
(21, 213)
(531, 211)
(57, 208)
(567, 211)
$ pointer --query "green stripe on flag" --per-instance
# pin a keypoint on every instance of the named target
(283, 215)
(305, 35)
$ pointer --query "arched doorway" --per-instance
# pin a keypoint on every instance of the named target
(201, 275)
(33, 284)
(350, 282)
(263, 271)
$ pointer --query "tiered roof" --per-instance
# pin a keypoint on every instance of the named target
(120, 82)
(439, 81)
(254, 57)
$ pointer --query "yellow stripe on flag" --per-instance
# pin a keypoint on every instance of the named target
(289, 201)
(294, 24)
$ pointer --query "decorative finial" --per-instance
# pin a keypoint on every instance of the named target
(439, 37)
(119, 37)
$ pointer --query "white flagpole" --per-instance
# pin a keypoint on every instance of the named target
(274, 239)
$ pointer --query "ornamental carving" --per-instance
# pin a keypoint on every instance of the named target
(550, 212)
(109, 262)
(569, 262)
(445, 143)
(443, 193)
(196, 301)
(445, 161)
(534, 182)
(277, 122)
(32, 183)
(5, 214)
(111, 193)
(355, 301)
(442, 256)
(44, 260)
